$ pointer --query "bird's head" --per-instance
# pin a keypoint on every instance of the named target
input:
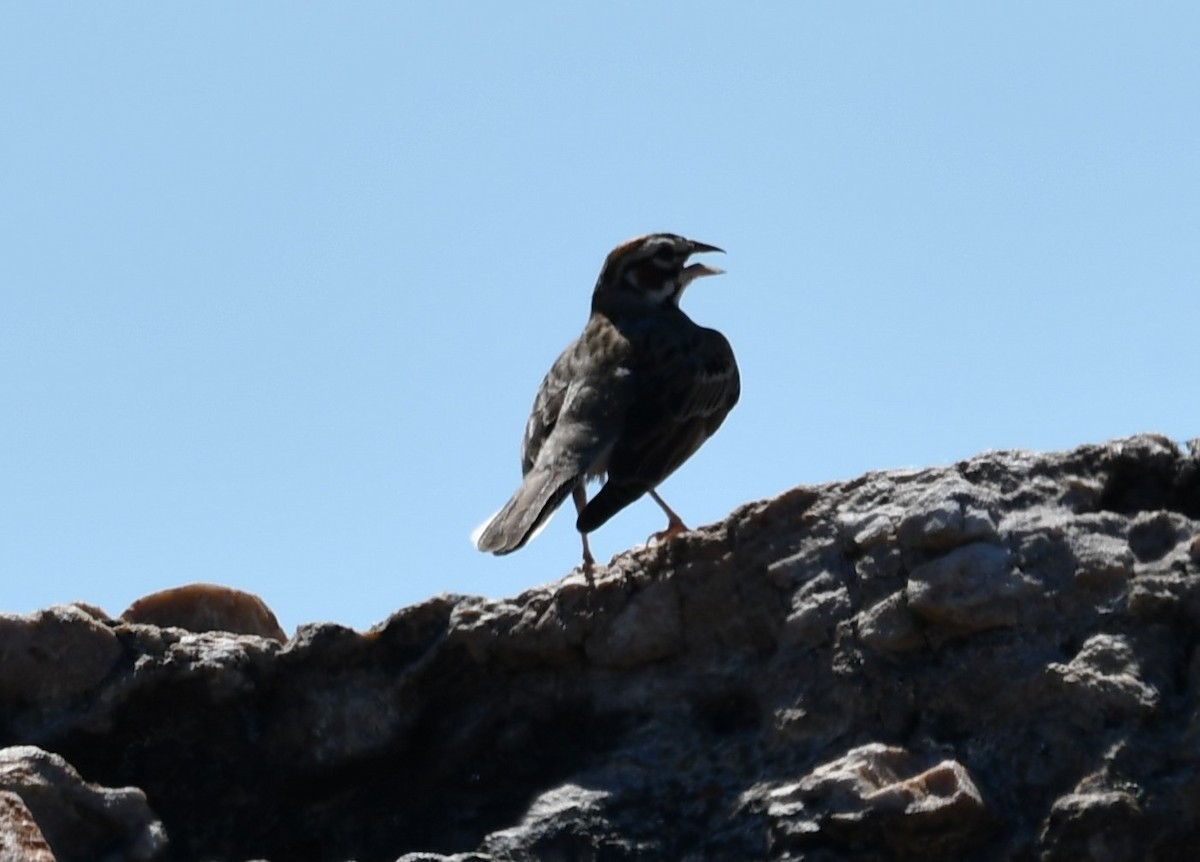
(653, 268)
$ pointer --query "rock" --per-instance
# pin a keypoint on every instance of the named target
(879, 790)
(20, 838)
(971, 588)
(889, 626)
(953, 512)
(1103, 824)
(55, 657)
(993, 660)
(206, 608)
(817, 607)
(1103, 562)
(80, 821)
(1103, 681)
(559, 824)
(648, 628)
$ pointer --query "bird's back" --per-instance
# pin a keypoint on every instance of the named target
(687, 381)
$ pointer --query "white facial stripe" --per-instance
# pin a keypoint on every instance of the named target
(652, 247)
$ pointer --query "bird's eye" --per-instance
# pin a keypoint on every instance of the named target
(665, 252)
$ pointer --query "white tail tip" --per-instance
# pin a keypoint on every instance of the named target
(482, 528)
(478, 531)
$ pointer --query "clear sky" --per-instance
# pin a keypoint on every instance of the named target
(278, 281)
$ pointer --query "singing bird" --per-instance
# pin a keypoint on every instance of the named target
(630, 399)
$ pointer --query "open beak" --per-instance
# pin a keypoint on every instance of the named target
(698, 270)
(693, 271)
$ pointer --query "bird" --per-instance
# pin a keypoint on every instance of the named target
(629, 401)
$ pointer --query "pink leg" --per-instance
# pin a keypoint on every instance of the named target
(675, 524)
(579, 495)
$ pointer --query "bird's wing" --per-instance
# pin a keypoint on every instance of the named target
(683, 397)
(577, 416)
(682, 402)
(544, 416)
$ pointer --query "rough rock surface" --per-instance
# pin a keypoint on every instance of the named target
(21, 840)
(75, 819)
(993, 660)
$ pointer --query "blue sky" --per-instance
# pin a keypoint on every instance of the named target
(278, 281)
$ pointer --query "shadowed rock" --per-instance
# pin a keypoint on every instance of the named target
(79, 821)
(993, 660)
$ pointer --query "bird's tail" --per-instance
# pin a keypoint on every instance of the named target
(611, 499)
(526, 514)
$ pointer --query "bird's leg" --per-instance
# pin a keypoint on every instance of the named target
(579, 495)
(675, 524)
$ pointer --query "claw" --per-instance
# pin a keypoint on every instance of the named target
(675, 524)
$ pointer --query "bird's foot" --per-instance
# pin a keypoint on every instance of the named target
(674, 528)
(588, 566)
(675, 524)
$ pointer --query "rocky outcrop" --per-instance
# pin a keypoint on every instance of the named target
(994, 660)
